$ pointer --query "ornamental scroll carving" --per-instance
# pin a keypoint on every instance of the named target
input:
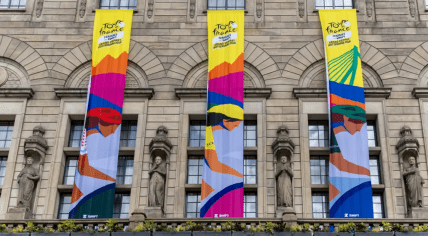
(192, 8)
(150, 8)
(412, 8)
(82, 9)
(39, 8)
(259, 8)
(301, 7)
(369, 8)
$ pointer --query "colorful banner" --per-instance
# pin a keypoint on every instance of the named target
(94, 184)
(350, 190)
(222, 193)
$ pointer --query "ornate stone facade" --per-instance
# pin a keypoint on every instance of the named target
(45, 54)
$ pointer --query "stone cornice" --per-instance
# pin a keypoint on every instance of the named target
(202, 92)
(16, 92)
(82, 92)
(420, 92)
(322, 92)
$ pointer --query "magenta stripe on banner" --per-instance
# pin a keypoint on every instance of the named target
(228, 85)
(109, 86)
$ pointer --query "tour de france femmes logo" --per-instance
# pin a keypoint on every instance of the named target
(111, 34)
(338, 33)
(225, 35)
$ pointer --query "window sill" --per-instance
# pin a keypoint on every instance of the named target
(200, 151)
(378, 186)
(4, 152)
(205, 12)
(317, 10)
(326, 151)
(75, 151)
(13, 10)
(83, 92)
(135, 11)
(322, 92)
(16, 92)
(420, 92)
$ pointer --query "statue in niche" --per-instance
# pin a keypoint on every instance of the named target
(157, 183)
(27, 180)
(284, 176)
(413, 182)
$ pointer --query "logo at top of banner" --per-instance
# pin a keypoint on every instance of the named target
(226, 35)
(111, 34)
(339, 33)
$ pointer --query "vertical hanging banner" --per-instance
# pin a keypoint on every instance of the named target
(94, 184)
(350, 190)
(222, 192)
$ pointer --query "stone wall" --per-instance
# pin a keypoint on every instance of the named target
(48, 46)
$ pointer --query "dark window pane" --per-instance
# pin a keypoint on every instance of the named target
(197, 133)
(193, 205)
(318, 133)
(3, 161)
(6, 129)
(319, 169)
(378, 208)
(250, 133)
(371, 133)
(76, 131)
(128, 133)
(375, 172)
(320, 207)
(194, 169)
(125, 166)
(250, 205)
(121, 206)
(64, 206)
(70, 170)
(250, 170)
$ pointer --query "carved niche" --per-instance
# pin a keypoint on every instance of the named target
(12, 75)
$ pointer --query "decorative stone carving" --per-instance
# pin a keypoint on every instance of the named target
(150, 8)
(412, 8)
(408, 152)
(35, 148)
(82, 9)
(369, 8)
(259, 6)
(301, 7)
(3, 76)
(160, 151)
(192, 8)
(39, 8)
(283, 149)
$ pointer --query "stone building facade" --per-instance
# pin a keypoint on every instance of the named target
(45, 56)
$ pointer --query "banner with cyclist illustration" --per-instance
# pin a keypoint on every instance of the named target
(350, 190)
(222, 194)
(94, 184)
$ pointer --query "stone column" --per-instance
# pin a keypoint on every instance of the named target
(283, 149)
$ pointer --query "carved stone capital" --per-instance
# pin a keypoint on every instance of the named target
(283, 143)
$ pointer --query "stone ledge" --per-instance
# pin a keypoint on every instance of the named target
(13, 10)
(420, 92)
(16, 92)
(82, 92)
(322, 92)
(202, 92)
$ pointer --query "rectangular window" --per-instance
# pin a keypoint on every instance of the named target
(319, 169)
(226, 5)
(125, 166)
(375, 173)
(334, 4)
(193, 205)
(378, 209)
(6, 129)
(250, 205)
(197, 133)
(121, 206)
(128, 133)
(118, 4)
(194, 169)
(320, 208)
(371, 133)
(250, 133)
(3, 162)
(70, 170)
(318, 133)
(76, 131)
(9, 4)
(64, 206)
(250, 170)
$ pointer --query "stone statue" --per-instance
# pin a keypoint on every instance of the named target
(284, 176)
(413, 182)
(157, 183)
(27, 180)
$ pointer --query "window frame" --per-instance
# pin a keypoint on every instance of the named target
(320, 193)
(67, 159)
(226, 5)
(8, 124)
(252, 193)
(121, 205)
(118, 7)
(326, 132)
(201, 129)
(194, 157)
(325, 157)
(376, 139)
(382, 203)
(198, 202)
(127, 157)
(250, 157)
(61, 198)
(14, 8)
(333, 6)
